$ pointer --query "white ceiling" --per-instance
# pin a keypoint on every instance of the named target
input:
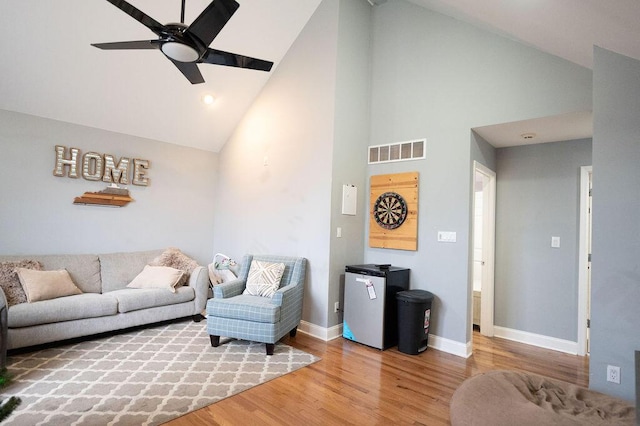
(565, 28)
(565, 127)
(50, 70)
(568, 29)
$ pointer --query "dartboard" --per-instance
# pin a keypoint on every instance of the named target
(390, 210)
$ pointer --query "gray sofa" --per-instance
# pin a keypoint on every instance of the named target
(106, 304)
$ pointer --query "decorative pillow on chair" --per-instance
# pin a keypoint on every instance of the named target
(10, 282)
(174, 258)
(264, 278)
(158, 277)
(45, 285)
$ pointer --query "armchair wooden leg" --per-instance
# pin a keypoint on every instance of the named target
(215, 340)
(293, 332)
(270, 347)
(197, 317)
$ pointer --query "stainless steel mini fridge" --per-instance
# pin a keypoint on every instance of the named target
(370, 306)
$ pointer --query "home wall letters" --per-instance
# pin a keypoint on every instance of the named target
(96, 167)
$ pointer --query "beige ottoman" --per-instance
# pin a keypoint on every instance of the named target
(512, 398)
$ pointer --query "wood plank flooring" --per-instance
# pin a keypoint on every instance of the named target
(357, 385)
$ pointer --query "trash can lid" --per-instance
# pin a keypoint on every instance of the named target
(415, 296)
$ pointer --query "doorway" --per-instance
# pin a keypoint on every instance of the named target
(584, 260)
(484, 200)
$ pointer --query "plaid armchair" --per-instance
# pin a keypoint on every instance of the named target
(260, 319)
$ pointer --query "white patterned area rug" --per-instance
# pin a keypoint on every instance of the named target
(143, 377)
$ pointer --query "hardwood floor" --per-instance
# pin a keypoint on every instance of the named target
(355, 384)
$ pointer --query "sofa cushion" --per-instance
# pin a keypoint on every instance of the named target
(245, 307)
(119, 269)
(157, 277)
(80, 306)
(10, 283)
(45, 285)
(84, 269)
(174, 258)
(134, 299)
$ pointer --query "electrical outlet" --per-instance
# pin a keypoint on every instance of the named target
(613, 374)
(336, 307)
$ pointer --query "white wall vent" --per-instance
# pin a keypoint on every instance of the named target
(398, 151)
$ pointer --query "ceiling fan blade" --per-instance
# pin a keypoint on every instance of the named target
(189, 70)
(142, 44)
(219, 57)
(207, 26)
(138, 15)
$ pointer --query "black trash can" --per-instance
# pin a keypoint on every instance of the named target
(414, 315)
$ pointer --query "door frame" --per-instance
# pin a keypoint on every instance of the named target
(583, 259)
(488, 249)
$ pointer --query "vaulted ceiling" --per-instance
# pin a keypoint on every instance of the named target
(50, 69)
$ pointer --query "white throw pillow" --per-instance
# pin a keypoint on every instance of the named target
(264, 278)
(157, 277)
(45, 285)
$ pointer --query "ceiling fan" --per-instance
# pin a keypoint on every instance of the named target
(187, 46)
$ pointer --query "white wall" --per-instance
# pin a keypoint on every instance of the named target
(285, 207)
(477, 238)
(436, 77)
(37, 214)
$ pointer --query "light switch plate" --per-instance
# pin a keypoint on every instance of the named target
(447, 237)
(555, 242)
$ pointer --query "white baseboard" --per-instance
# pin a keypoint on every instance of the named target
(539, 340)
(321, 333)
(450, 346)
(453, 347)
(435, 342)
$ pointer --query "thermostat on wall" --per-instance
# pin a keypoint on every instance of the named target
(349, 199)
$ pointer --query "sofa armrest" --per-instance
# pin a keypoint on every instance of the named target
(229, 289)
(4, 323)
(3, 300)
(199, 280)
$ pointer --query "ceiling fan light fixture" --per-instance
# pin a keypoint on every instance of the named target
(179, 51)
(186, 46)
(208, 99)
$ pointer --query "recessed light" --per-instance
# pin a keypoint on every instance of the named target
(528, 136)
(208, 99)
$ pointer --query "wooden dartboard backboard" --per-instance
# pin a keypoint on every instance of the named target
(391, 194)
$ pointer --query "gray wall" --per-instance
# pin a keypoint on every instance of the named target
(615, 291)
(538, 196)
(311, 120)
(352, 109)
(437, 77)
(482, 152)
(285, 207)
(37, 214)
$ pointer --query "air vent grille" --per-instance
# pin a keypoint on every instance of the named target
(398, 151)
